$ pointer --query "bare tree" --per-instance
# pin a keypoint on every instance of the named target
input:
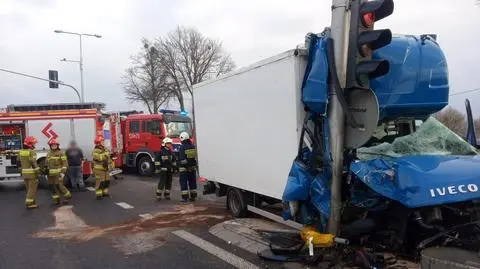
(146, 81)
(189, 57)
(476, 124)
(453, 119)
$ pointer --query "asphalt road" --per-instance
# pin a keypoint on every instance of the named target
(129, 230)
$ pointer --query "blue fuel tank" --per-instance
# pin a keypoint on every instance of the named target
(417, 83)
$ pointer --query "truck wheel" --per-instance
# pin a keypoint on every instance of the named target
(236, 203)
(145, 166)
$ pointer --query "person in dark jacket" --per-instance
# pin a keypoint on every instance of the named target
(75, 164)
(188, 168)
(166, 165)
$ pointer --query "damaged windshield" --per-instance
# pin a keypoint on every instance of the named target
(431, 138)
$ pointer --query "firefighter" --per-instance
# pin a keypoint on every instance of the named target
(55, 170)
(101, 165)
(30, 170)
(188, 171)
(167, 162)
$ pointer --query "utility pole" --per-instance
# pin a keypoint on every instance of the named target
(81, 58)
(354, 40)
(336, 117)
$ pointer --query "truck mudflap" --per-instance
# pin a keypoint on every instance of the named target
(418, 181)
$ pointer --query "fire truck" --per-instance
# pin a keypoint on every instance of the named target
(136, 139)
(133, 138)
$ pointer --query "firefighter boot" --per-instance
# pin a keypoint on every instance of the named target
(167, 194)
(30, 204)
(66, 197)
(99, 192)
(31, 185)
(106, 184)
(184, 186)
(158, 194)
(55, 196)
(193, 195)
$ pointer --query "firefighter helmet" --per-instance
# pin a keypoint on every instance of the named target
(99, 140)
(53, 141)
(30, 141)
(184, 136)
(167, 140)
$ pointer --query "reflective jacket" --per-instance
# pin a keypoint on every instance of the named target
(28, 162)
(167, 160)
(187, 156)
(101, 159)
(56, 162)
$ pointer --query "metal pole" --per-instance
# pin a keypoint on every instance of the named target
(39, 78)
(336, 117)
(81, 72)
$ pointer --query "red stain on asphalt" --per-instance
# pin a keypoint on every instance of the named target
(134, 236)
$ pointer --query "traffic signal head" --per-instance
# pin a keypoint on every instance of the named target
(53, 77)
(363, 40)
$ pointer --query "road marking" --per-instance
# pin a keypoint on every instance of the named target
(90, 188)
(216, 251)
(124, 205)
(146, 216)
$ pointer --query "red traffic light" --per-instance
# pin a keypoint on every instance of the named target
(379, 8)
(368, 19)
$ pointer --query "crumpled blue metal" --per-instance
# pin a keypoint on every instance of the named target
(298, 183)
(422, 180)
(315, 83)
(311, 189)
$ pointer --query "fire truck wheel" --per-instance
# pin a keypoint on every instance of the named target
(236, 202)
(145, 166)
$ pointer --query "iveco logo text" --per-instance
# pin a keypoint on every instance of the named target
(453, 190)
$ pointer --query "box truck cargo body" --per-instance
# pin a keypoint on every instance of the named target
(248, 124)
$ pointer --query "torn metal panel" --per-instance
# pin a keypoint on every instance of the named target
(417, 181)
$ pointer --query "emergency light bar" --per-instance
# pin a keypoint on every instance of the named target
(168, 111)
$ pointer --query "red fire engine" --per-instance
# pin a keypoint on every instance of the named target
(133, 138)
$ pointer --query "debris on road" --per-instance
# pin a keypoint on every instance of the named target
(135, 236)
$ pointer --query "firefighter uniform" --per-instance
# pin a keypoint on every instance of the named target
(101, 165)
(56, 169)
(166, 166)
(187, 168)
(30, 173)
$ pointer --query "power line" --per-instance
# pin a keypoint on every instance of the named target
(462, 92)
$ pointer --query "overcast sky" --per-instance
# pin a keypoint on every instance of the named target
(250, 30)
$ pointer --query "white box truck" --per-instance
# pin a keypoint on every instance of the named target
(248, 125)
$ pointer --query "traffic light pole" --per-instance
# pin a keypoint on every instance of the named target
(336, 118)
(34, 77)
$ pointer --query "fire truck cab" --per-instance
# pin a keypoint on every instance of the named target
(143, 135)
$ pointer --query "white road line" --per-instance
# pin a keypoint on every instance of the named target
(146, 216)
(124, 205)
(216, 251)
(90, 188)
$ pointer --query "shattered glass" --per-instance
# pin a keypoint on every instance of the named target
(431, 138)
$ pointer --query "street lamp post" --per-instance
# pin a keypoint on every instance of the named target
(81, 57)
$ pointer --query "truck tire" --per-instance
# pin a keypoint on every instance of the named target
(145, 166)
(236, 203)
